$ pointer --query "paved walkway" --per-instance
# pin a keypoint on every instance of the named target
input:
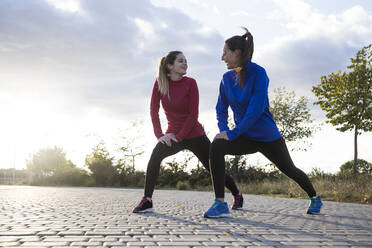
(101, 217)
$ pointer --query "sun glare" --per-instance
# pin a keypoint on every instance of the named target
(22, 130)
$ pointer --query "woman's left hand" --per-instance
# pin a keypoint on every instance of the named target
(221, 135)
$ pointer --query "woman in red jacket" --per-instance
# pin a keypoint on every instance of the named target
(179, 97)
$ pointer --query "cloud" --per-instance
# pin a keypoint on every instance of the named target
(94, 54)
(76, 55)
(240, 13)
(66, 5)
(316, 43)
(216, 10)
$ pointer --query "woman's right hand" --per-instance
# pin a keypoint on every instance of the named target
(167, 139)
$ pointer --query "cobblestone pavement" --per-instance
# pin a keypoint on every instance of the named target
(101, 217)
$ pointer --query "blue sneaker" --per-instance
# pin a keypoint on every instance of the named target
(219, 209)
(315, 205)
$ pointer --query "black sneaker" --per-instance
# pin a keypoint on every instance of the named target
(238, 202)
(144, 206)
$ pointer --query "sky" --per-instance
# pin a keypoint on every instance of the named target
(75, 72)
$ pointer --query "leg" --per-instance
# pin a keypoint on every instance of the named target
(219, 149)
(277, 152)
(160, 152)
(200, 146)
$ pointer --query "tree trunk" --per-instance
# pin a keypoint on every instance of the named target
(355, 150)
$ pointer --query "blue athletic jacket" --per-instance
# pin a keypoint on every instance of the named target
(249, 104)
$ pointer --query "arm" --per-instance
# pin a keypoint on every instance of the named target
(193, 112)
(154, 111)
(255, 107)
(222, 109)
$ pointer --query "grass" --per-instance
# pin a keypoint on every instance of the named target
(355, 190)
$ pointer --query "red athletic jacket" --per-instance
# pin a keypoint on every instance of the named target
(181, 109)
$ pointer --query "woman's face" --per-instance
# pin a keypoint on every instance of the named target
(230, 57)
(179, 66)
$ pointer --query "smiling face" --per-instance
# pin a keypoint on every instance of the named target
(230, 57)
(179, 66)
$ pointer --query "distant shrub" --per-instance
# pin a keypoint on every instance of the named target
(363, 167)
(183, 185)
(89, 182)
(199, 178)
(317, 173)
(171, 173)
(70, 177)
(141, 182)
(131, 178)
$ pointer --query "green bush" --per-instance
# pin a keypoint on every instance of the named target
(363, 167)
(183, 185)
(89, 182)
(171, 173)
(199, 178)
(127, 177)
(70, 177)
(141, 182)
(67, 176)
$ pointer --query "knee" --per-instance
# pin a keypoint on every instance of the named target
(290, 170)
(158, 152)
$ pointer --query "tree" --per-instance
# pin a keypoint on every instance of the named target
(292, 116)
(235, 165)
(128, 176)
(199, 176)
(347, 97)
(99, 163)
(130, 153)
(47, 161)
(130, 147)
(363, 167)
(53, 168)
(171, 173)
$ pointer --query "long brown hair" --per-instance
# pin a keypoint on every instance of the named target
(245, 44)
(163, 72)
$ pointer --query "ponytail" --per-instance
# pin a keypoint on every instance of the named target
(245, 44)
(246, 54)
(162, 77)
(248, 45)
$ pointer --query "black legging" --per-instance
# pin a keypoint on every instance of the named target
(276, 151)
(200, 146)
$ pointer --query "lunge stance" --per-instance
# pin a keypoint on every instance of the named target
(179, 97)
(244, 88)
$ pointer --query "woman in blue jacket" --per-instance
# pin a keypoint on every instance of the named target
(244, 88)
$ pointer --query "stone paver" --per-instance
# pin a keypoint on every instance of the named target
(101, 217)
